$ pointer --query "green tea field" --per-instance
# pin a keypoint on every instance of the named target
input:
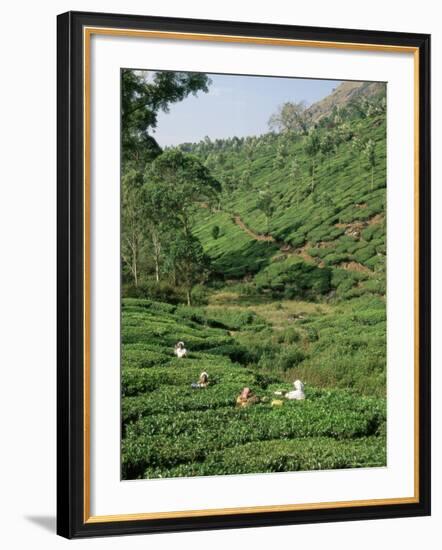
(170, 429)
(264, 252)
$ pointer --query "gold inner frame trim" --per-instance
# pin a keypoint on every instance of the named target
(87, 34)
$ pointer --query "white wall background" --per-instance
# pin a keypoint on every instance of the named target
(27, 275)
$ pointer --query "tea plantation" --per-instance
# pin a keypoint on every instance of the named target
(334, 219)
(170, 429)
(266, 256)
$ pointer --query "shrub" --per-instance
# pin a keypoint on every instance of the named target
(335, 258)
(375, 285)
(200, 295)
(290, 357)
(288, 336)
(162, 291)
(141, 304)
(234, 319)
(294, 278)
(190, 313)
(372, 231)
(364, 254)
(142, 358)
(235, 352)
(312, 334)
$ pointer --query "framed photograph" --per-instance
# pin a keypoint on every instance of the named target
(243, 274)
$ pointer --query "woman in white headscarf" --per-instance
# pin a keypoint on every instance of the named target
(298, 393)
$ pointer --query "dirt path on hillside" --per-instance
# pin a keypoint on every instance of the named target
(287, 250)
(257, 236)
(302, 251)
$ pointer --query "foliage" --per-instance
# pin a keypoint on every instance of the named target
(294, 278)
(190, 263)
(290, 117)
(265, 204)
(143, 95)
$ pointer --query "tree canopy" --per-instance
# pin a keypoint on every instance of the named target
(176, 182)
(290, 117)
(143, 95)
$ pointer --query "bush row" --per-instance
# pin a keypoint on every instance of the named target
(283, 456)
(164, 441)
(182, 372)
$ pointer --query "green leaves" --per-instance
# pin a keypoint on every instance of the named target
(266, 204)
(291, 117)
(175, 184)
(294, 278)
(143, 95)
(312, 144)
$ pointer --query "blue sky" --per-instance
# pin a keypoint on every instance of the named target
(235, 106)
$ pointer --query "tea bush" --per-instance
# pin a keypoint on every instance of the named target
(294, 278)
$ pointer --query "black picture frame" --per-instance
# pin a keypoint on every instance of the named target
(71, 520)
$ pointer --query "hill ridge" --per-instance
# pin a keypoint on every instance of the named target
(341, 96)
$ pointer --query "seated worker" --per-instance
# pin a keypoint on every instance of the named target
(246, 398)
(297, 393)
(203, 381)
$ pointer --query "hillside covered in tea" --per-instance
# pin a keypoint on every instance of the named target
(266, 256)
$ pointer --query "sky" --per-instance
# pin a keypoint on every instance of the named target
(235, 106)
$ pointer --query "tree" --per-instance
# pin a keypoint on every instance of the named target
(228, 184)
(358, 145)
(365, 107)
(328, 147)
(250, 149)
(143, 95)
(157, 227)
(370, 155)
(344, 132)
(175, 183)
(281, 154)
(132, 222)
(327, 200)
(359, 106)
(296, 175)
(337, 115)
(312, 148)
(190, 262)
(290, 118)
(215, 232)
(245, 178)
(266, 205)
